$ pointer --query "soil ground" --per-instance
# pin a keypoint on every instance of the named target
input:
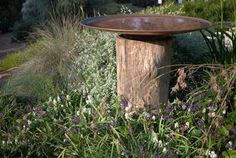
(7, 46)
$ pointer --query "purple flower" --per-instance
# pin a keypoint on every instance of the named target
(127, 152)
(74, 129)
(142, 150)
(76, 118)
(233, 130)
(196, 107)
(168, 109)
(168, 116)
(1, 115)
(200, 124)
(123, 103)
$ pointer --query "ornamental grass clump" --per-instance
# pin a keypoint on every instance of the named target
(51, 65)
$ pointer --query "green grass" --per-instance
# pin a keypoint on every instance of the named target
(15, 59)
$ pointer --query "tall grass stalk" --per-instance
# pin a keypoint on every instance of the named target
(222, 14)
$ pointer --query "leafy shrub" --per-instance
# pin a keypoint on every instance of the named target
(96, 66)
(190, 48)
(34, 11)
(21, 30)
(211, 9)
(167, 8)
(9, 13)
(122, 1)
(143, 3)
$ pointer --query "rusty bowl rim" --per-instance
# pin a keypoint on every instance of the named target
(206, 23)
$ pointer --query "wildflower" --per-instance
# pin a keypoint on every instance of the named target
(86, 110)
(58, 99)
(196, 107)
(89, 99)
(16, 140)
(224, 112)
(160, 143)
(230, 145)
(187, 125)
(233, 130)
(74, 129)
(54, 101)
(212, 114)
(142, 150)
(164, 150)
(67, 97)
(213, 154)
(189, 109)
(3, 142)
(204, 110)
(29, 122)
(1, 114)
(123, 103)
(147, 115)
(153, 117)
(62, 105)
(168, 109)
(50, 99)
(176, 125)
(76, 118)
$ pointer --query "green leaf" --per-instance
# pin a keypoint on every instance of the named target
(223, 131)
(229, 154)
(231, 117)
(196, 133)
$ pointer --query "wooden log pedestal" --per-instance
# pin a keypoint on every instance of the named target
(142, 78)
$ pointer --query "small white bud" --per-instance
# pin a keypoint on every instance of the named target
(153, 118)
(164, 150)
(176, 125)
(204, 110)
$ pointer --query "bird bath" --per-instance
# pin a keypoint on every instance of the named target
(143, 53)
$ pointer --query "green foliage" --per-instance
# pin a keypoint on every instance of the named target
(34, 11)
(122, 1)
(96, 66)
(9, 13)
(21, 30)
(211, 9)
(167, 8)
(190, 48)
(66, 126)
(143, 3)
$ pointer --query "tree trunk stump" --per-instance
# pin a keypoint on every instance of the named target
(142, 71)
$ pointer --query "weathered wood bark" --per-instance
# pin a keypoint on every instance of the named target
(142, 78)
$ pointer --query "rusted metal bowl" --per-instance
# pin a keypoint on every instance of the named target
(136, 24)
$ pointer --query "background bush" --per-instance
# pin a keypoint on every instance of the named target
(211, 10)
(10, 11)
(143, 3)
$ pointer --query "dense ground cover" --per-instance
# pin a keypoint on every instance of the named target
(63, 102)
